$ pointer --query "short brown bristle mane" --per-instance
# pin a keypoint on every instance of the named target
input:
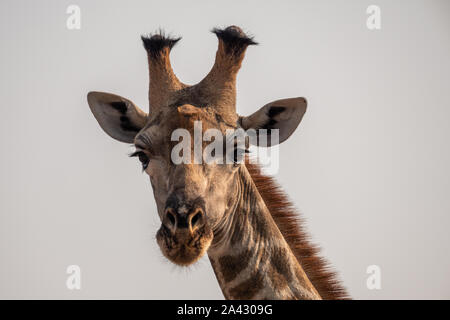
(291, 226)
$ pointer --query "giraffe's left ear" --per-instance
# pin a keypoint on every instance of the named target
(118, 117)
(284, 115)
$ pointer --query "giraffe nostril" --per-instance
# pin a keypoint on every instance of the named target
(171, 217)
(196, 217)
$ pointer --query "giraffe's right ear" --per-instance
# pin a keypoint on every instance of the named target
(118, 117)
(283, 115)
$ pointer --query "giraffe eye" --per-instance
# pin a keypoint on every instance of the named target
(143, 158)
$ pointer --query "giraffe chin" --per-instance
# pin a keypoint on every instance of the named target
(184, 247)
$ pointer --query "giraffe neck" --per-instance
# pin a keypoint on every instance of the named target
(249, 255)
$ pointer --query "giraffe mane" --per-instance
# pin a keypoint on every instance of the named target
(289, 222)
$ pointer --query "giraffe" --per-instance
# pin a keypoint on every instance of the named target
(240, 218)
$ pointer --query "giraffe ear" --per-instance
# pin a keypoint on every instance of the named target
(284, 115)
(118, 117)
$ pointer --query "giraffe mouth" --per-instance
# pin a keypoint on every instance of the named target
(184, 247)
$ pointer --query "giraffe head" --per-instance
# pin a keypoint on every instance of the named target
(193, 197)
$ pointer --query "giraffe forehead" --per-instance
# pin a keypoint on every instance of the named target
(187, 115)
(161, 125)
(188, 110)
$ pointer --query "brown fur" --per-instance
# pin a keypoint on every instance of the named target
(231, 266)
(247, 289)
(291, 226)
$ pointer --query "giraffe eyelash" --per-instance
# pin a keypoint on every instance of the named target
(135, 154)
(143, 158)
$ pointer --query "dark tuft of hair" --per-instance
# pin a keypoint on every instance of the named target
(234, 38)
(154, 43)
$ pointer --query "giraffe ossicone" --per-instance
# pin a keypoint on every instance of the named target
(226, 209)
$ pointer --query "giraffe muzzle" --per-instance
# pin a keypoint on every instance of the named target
(184, 235)
(182, 221)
